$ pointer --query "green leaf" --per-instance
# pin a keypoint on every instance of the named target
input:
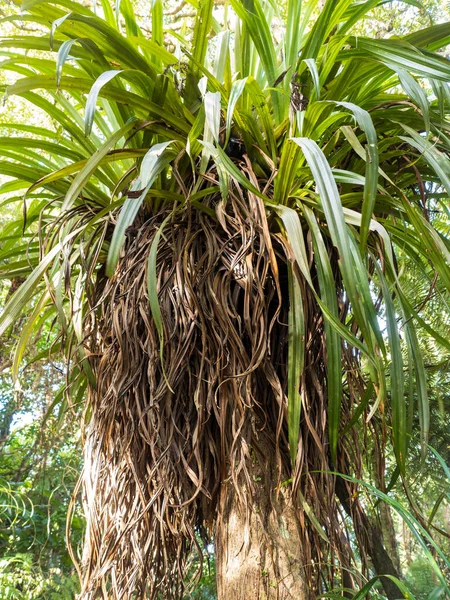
(56, 24)
(235, 93)
(212, 116)
(295, 238)
(398, 54)
(371, 157)
(371, 583)
(433, 38)
(436, 159)
(399, 425)
(157, 22)
(203, 22)
(222, 55)
(312, 66)
(423, 538)
(421, 388)
(293, 32)
(63, 54)
(251, 13)
(332, 338)
(92, 164)
(296, 361)
(223, 161)
(156, 51)
(152, 279)
(329, 17)
(334, 215)
(417, 95)
(28, 289)
(153, 163)
(91, 102)
(27, 331)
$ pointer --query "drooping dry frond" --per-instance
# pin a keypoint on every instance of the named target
(173, 416)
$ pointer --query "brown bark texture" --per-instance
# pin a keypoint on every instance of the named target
(388, 533)
(259, 542)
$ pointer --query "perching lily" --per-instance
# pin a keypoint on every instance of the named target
(216, 232)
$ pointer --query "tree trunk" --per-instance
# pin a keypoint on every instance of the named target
(446, 511)
(386, 522)
(259, 546)
(389, 537)
(371, 539)
(407, 543)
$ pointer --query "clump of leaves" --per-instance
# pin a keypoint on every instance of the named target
(215, 243)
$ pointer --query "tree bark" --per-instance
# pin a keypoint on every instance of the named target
(407, 544)
(388, 534)
(259, 546)
(386, 522)
(371, 538)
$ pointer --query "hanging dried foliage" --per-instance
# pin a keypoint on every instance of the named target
(179, 410)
